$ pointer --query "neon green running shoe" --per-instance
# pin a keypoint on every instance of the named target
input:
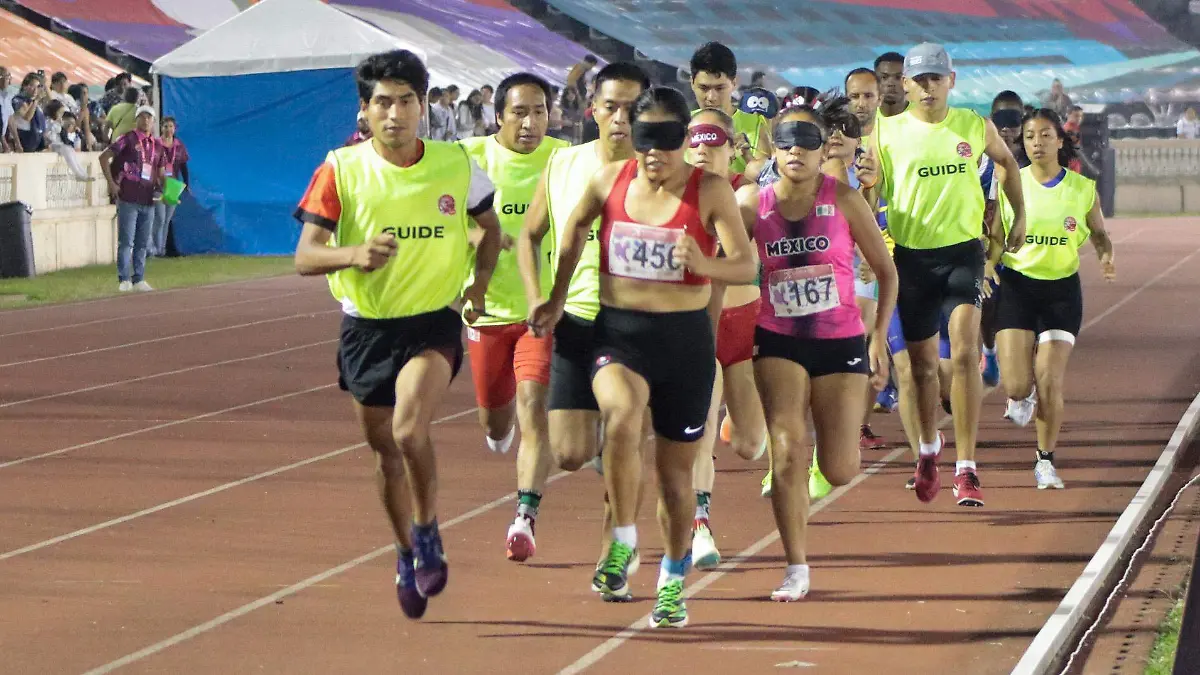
(670, 611)
(818, 487)
(766, 485)
(612, 579)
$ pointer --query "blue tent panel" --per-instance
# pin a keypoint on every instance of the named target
(254, 142)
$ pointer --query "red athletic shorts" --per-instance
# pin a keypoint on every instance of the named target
(735, 333)
(501, 356)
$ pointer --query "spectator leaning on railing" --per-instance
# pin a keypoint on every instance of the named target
(133, 167)
(1188, 126)
(28, 118)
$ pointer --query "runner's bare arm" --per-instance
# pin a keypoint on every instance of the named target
(764, 147)
(719, 210)
(747, 199)
(998, 150)
(1100, 239)
(529, 242)
(488, 248)
(314, 256)
(869, 240)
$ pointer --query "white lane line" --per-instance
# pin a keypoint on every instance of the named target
(1051, 641)
(591, 658)
(165, 425)
(143, 378)
(131, 297)
(316, 579)
(293, 589)
(171, 337)
(199, 495)
(154, 314)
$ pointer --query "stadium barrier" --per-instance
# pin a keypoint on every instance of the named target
(73, 223)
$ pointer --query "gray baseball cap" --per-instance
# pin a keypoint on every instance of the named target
(927, 58)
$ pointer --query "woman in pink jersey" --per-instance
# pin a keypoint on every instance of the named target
(654, 348)
(810, 341)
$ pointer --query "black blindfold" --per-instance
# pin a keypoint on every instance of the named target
(649, 136)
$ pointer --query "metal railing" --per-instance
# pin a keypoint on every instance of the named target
(1154, 160)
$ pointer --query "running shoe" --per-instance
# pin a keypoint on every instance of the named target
(946, 406)
(794, 586)
(704, 547)
(991, 370)
(726, 430)
(927, 482)
(411, 600)
(634, 564)
(612, 579)
(867, 440)
(1046, 476)
(520, 543)
(429, 561)
(911, 484)
(670, 611)
(818, 487)
(766, 484)
(1021, 412)
(967, 489)
(887, 400)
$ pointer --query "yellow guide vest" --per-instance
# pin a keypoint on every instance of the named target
(515, 176)
(568, 175)
(930, 177)
(425, 207)
(1055, 225)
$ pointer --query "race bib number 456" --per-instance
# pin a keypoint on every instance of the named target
(643, 252)
(803, 291)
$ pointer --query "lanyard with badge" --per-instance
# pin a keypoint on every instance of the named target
(146, 162)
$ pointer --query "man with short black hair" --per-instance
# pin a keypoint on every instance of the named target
(714, 80)
(401, 342)
(889, 68)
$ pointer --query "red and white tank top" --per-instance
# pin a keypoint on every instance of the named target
(639, 251)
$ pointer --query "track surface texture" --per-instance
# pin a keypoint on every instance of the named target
(183, 490)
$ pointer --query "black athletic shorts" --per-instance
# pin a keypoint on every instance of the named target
(372, 352)
(936, 281)
(818, 356)
(1039, 305)
(571, 365)
(675, 353)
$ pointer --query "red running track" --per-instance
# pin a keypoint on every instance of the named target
(183, 490)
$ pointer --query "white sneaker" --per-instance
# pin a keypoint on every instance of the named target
(1046, 476)
(794, 586)
(705, 555)
(125, 286)
(143, 287)
(1021, 412)
(520, 542)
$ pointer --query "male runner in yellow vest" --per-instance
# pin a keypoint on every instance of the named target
(714, 80)
(387, 221)
(574, 416)
(507, 359)
(929, 158)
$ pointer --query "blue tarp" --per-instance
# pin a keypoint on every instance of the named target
(254, 142)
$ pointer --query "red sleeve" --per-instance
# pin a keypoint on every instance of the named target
(320, 204)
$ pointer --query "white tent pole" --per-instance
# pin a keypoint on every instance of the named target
(156, 80)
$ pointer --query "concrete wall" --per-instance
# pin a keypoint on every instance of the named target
(1157, 176)
(73, 223)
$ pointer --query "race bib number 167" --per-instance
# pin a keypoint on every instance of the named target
(802, 291)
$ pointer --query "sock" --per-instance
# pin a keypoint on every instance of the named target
(528, 502)
(930, 449)
(989, 351)
(671, 570)
(796, 569)
(501, 446)
(1048, 456)
(626, 534)
(962, 466)
(703, 500)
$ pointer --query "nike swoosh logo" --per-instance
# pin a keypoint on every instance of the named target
(855, 362)
(691, 431)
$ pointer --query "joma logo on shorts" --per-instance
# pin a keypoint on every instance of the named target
(943, 170)
(513, 209)
(417, 231)
(797, 245)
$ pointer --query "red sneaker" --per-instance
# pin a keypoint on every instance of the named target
(867, 440)
(929, 482)
(967, 489)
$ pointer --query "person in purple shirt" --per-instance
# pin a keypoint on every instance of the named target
(133, 166)
(175, 158)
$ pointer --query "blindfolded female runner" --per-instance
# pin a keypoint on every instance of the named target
(809, 344)
(654, 343)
